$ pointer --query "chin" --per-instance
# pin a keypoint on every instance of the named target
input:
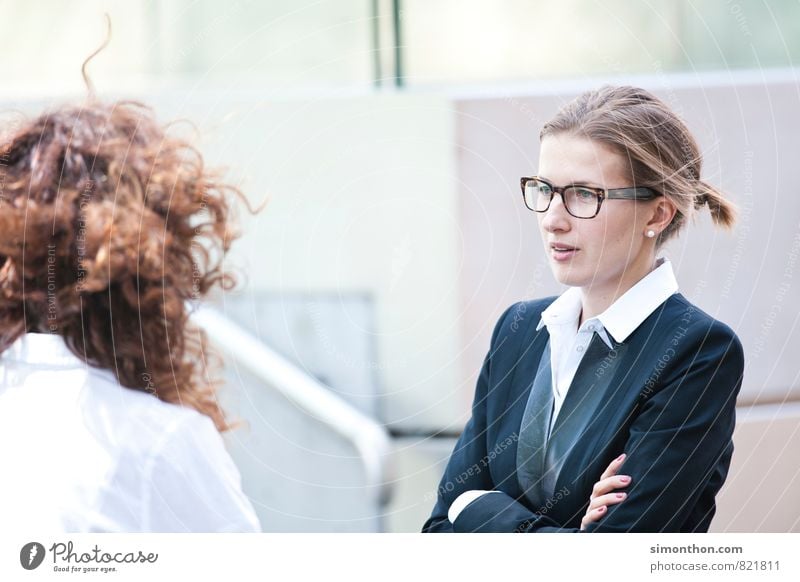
(567, 276)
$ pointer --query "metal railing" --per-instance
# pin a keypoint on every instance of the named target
(370, 439)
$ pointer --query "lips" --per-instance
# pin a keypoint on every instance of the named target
(563, 252)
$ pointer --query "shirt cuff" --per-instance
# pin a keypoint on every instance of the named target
(463, 500)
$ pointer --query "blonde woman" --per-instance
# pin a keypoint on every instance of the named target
(611, 407)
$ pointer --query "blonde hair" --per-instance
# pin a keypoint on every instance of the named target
(662, 154)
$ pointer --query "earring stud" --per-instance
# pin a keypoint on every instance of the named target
(651, 233)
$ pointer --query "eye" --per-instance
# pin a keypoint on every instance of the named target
(583, 194)
(536, 187)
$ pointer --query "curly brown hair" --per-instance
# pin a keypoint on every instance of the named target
(108, 226)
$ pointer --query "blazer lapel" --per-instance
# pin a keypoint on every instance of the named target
(528, 358)
(590, 390)
(533, 431)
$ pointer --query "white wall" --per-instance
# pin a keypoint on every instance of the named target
(362, 198)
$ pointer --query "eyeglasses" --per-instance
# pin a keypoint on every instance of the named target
(580, 201)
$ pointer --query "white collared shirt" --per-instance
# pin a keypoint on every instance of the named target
(568, 343)
(80, 453)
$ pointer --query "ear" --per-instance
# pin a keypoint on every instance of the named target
(663, 212)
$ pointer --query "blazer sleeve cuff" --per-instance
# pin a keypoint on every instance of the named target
(463, 500)
(498, 513)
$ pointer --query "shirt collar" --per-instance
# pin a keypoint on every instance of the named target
(626, 313)
(42, 349)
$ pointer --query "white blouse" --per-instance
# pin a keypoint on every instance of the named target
(80, 453)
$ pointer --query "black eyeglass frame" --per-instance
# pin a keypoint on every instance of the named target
(629, 193)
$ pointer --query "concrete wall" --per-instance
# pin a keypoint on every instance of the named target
(362, 199)
(762, 493)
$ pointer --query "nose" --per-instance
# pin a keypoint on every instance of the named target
(556, 218)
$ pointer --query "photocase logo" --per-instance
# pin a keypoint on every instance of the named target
(31, 555)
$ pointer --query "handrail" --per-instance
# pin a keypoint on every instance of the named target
(369, 438)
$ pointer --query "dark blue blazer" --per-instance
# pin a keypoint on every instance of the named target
(665, 396)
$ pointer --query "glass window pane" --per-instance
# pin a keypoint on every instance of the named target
(468, 41)
(280, 44)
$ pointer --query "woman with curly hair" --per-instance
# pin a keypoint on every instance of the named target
(108, 418)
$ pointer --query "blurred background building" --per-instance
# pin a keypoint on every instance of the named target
(389, 137)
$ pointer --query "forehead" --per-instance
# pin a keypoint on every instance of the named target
(565, 158)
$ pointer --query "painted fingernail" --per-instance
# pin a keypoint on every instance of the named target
(620, 496)
(601, 509)
(622, 456)
(625, 479)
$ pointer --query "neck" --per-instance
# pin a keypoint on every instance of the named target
(596, 300)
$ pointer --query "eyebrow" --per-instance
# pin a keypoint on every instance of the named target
(589, 183)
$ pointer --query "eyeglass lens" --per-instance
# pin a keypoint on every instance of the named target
(579, 201)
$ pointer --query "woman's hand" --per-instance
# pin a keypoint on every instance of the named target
(603, 493)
